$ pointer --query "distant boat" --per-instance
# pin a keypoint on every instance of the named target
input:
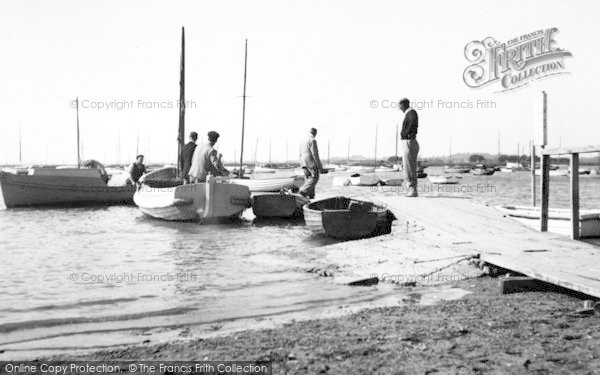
(482, 170)
(262, 169)
(554, 173)
(559, 220)
(392, 182)
(443, 179)
(456, 169)
(278, 205)
(360, 169)
(61, 187)
(334, 167)
(384, 169)
(347, 218)
(359, 179)
(269, 184)
(513, 167)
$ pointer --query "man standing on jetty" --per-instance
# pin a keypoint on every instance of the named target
(311, 164)
(410, 146)
(186, 157)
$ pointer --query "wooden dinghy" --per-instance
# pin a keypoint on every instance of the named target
(359, 179)
(278, 205)
(443, 179)
(360, 169)
(269, 184)
(61, 187)
(559, 220)
(347, 218)
(162, 196)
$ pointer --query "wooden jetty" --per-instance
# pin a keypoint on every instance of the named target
(433, 233)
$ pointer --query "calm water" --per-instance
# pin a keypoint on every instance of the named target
(94, 277)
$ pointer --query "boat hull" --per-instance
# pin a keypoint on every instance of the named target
(61, 189)
(559, 220)
(269, 184)
(347, 219)
(443, 179)
(364, 180)
(276, 205)
(203, 200)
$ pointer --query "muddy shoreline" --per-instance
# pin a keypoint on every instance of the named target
(485, 331)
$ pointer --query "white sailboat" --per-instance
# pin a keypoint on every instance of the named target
(162, 194)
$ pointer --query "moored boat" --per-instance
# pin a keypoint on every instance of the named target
(61, 187)
(347, 218)
(163, 196)
(443, 179)
(269, 184)
(361, 169)
(559, 220)
(278, 205)
(456, 169)
(359, 179)
(554, 172)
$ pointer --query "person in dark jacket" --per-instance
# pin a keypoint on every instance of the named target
(136, 170)
(410, 146)
(187, 153)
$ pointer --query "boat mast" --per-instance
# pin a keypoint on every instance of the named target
(375, 144)
(77, 114)
(450, 154)
(181, 133)
(396, 142)
(328, 144)
(20, 153)
(269, 150)
(255, 151)
(348, 162)
(244, 111)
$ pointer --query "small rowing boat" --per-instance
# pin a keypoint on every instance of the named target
(443, 179)
(269, 184)
(359, 179)
(347, 218)
(278, 205)
(559, 220)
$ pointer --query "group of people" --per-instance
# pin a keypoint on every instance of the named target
(197, 162)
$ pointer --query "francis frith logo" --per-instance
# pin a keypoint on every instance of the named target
(515, 63)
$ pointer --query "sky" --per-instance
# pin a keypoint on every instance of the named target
(310, 64)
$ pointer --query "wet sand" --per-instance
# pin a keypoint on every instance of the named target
(485, 331)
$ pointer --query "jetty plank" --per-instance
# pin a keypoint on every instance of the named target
(442, 228)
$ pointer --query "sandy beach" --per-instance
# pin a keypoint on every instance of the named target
(484, 332)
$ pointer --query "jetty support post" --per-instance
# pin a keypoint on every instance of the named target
(545, 194)
(575, 196)
(533, 188)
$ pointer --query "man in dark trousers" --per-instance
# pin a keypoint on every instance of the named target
(410, 146)
(186, 157)
(311, 164)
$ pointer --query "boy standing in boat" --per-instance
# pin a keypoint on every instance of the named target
(186, 157)
(207, 161)
(311, 164)
(410, 146)
(136, 170)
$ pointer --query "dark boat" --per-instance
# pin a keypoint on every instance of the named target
(348, 218)
(278, 205)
